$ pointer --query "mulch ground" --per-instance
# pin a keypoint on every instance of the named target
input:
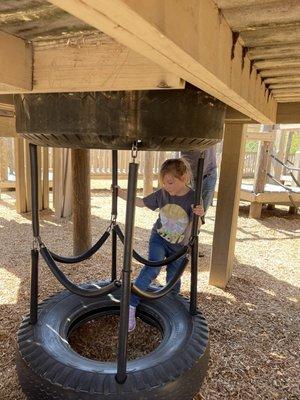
(254, 323)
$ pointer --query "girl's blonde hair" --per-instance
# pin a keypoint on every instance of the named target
(177, 167)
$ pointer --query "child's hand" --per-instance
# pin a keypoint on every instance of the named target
(198, 210)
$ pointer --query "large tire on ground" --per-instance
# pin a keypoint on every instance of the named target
(160, 119)
(49, 369)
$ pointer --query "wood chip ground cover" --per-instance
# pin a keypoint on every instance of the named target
(254, 323)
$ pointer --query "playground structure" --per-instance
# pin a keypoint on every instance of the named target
(257, 164)
(217, 53)
(273, 192)
(186, 327)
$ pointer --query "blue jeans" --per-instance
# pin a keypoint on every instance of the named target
(208, 189)
(158, 250)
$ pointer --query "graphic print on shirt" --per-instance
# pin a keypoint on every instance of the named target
(174, 221)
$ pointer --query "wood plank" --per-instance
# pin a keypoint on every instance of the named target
(250, 15)
(295, 78)
(94, 63)
(287, 62)
(289, 100)
(291, 85)
(282, 72)
(269, 52)
(152, 30)
(263, 136)
(291, 91)
(7, 127)
(274, 35)
(15, 63)
(288, 113)
(227, 204)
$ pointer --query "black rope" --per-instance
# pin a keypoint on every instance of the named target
(166, 289)
(280, 184)
(72, 287)
(149, 263)
(294, 179)
(283, 164)
(83, 256)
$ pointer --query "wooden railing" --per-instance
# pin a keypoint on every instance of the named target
(101, 162)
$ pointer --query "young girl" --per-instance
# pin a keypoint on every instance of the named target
(172, 229)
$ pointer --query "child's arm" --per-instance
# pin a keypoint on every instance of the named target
(123, 194)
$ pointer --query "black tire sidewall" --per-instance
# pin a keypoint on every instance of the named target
(45, 356)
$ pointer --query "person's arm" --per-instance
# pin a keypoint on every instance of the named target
(123, 194)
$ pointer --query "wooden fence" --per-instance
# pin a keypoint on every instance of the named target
(101, 162)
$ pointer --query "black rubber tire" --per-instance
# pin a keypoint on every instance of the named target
(161, 119)
(49, 369)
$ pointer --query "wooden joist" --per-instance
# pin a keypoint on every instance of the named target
(151, 29)
(95, 63)
(15, 63)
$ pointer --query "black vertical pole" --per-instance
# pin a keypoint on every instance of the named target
(126, 281)
(194, 260)
(34, 286)
(34, 190)
(36, 233)
(114, 212)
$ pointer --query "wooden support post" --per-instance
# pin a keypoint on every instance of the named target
(62, 183)
(287, 149)
(296, 165)
(81, 200)
(20, 175)
(260, 177)
(148, 173)
(3, 159)
(280, 147)
(227, 204)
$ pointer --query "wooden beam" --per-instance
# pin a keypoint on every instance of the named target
(227, 204)
(288, 113)
(233, 115)
(7, 127)
(263, 136)
(278, 63)
(289, 100)
(270, 52)
(279, 72)
(182, 38)
(15, 63)
(295, 78)
(95, 63)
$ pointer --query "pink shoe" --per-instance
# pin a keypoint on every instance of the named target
(131, 322)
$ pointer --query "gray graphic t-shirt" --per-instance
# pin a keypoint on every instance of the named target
(175, 216)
